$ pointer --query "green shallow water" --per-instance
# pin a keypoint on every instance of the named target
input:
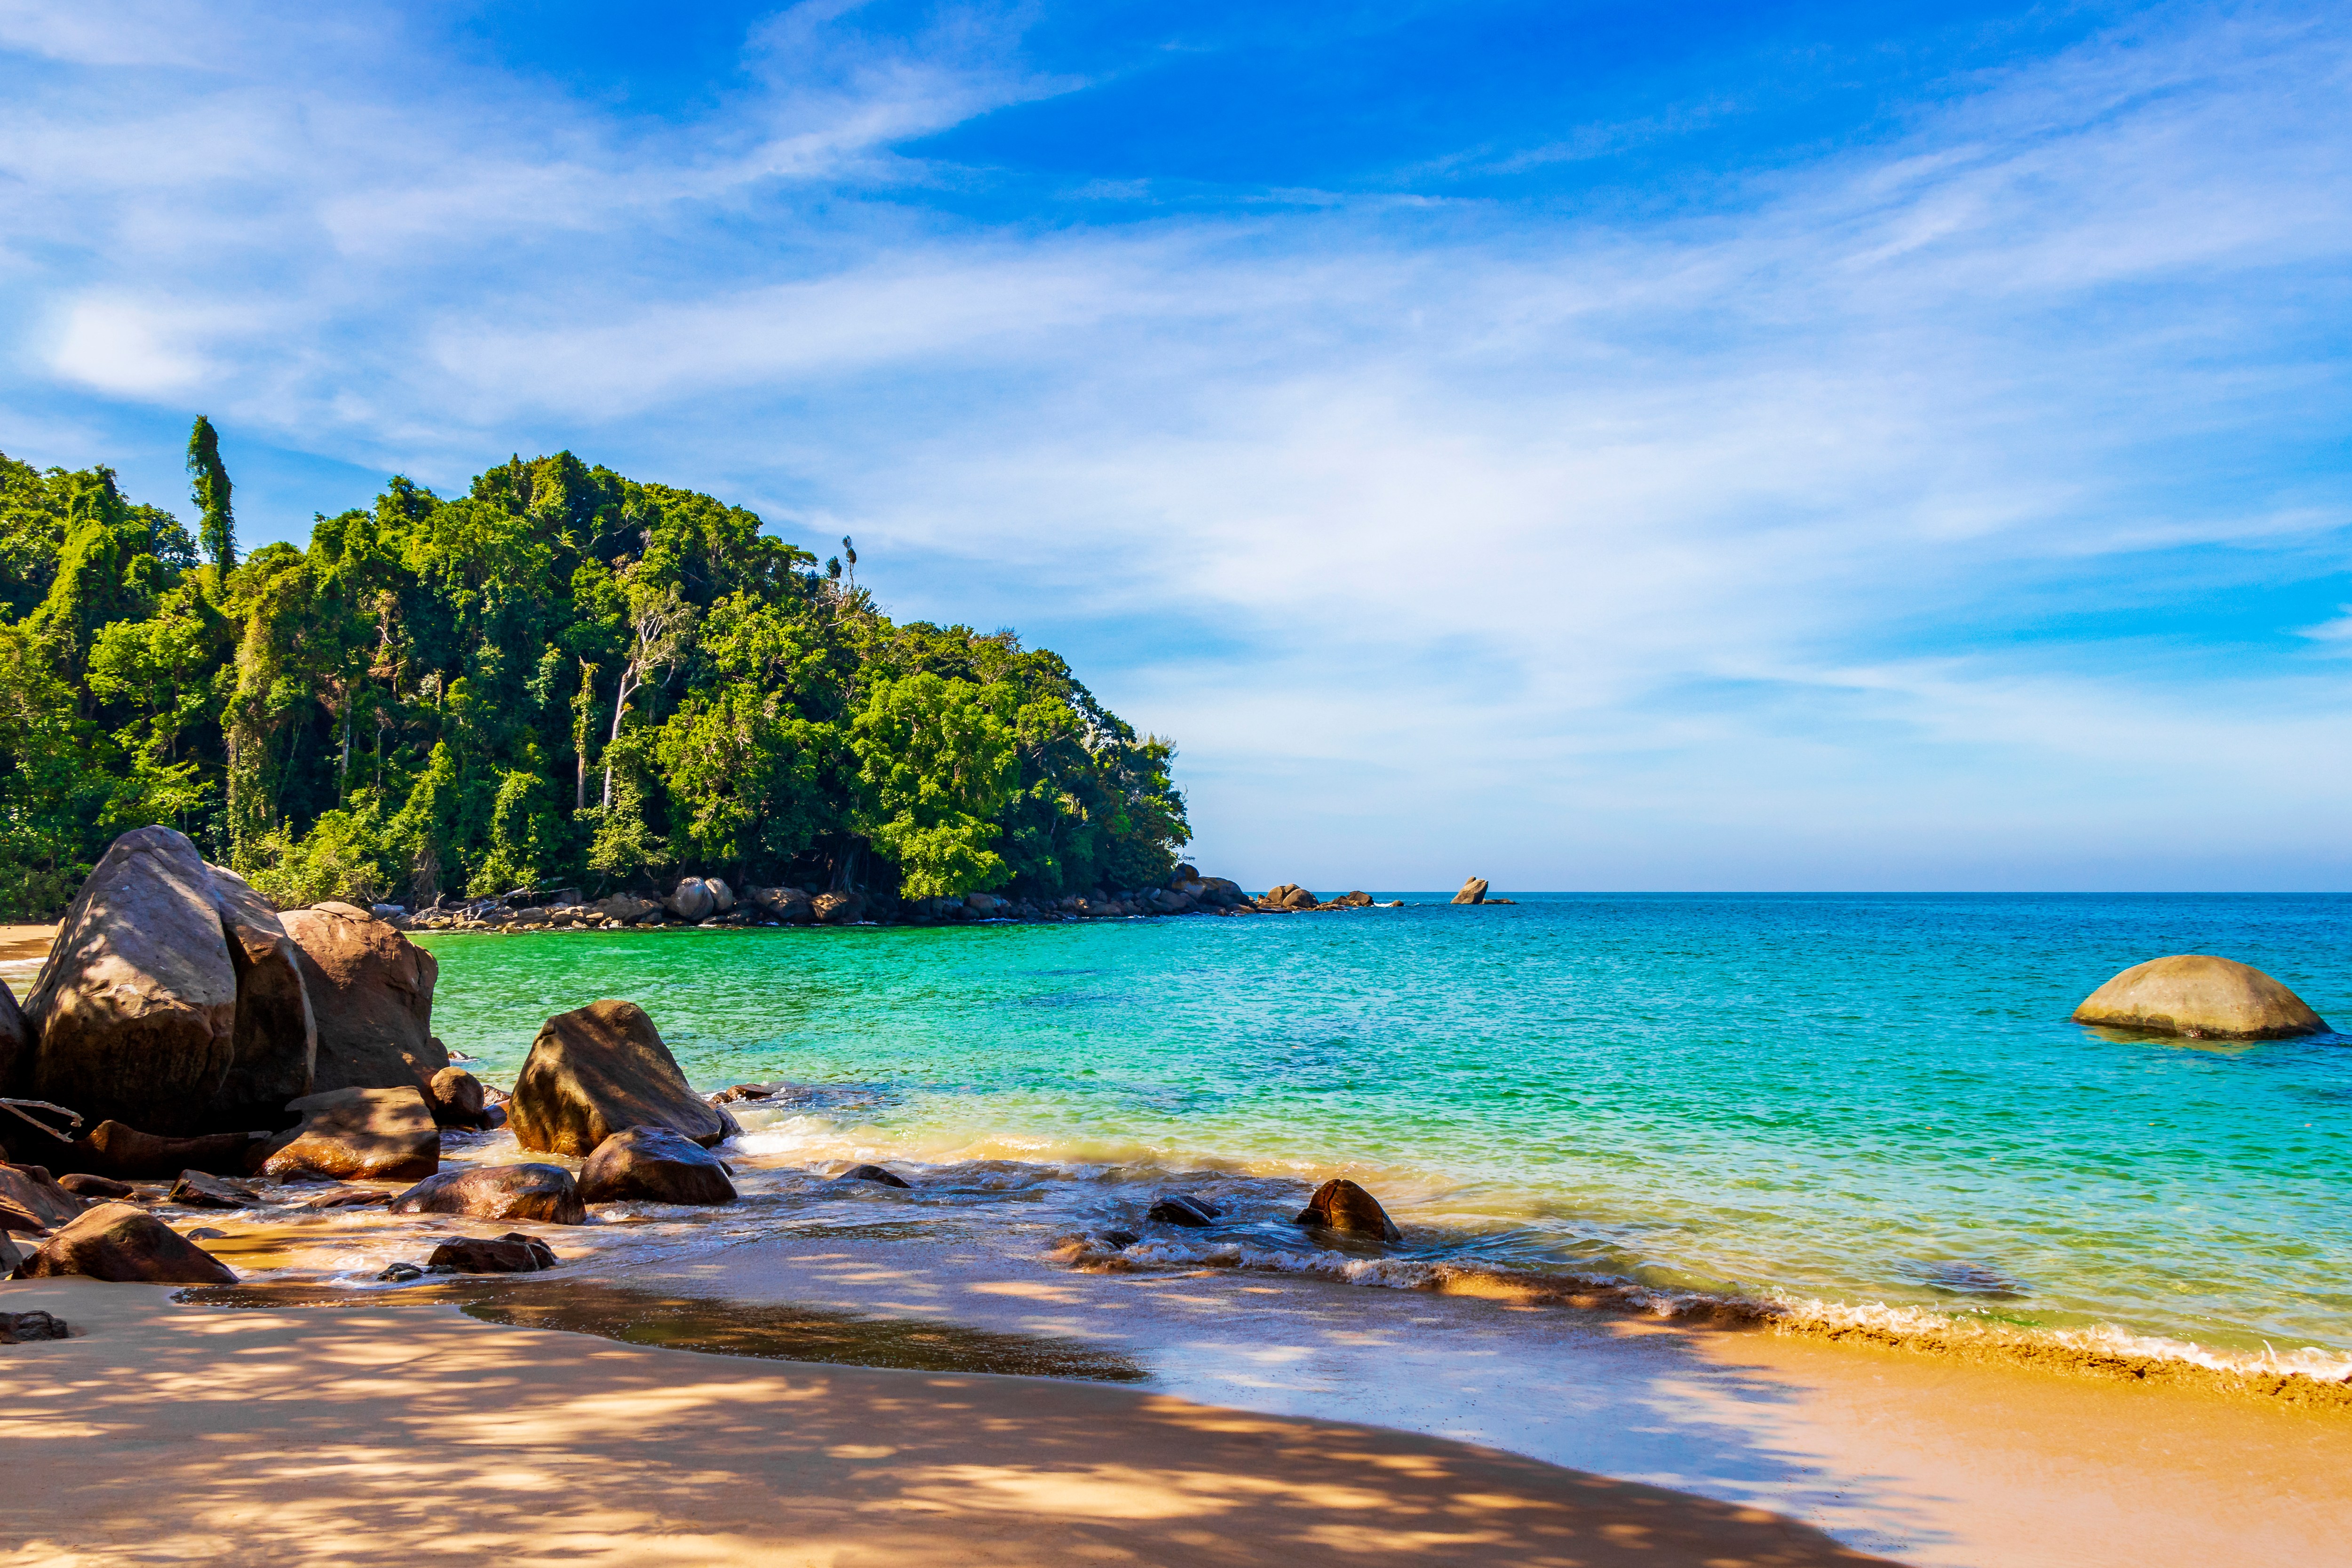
(1852, 1097)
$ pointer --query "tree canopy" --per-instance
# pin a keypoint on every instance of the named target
(562, 677)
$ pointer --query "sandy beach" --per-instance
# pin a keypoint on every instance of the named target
(26, 943)
(398, 1435)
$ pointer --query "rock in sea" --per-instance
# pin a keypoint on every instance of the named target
(513, 1252)
(125, 1243)
(196, 1189)
(372, 989)
(654, 1164)
(1473, 891)
(873, 1173)
(360, 1134)
(457, 1098)
(599, 1069)
(1182, 1208)
(2202, 997)
(545, 1192)
(1340, 1205)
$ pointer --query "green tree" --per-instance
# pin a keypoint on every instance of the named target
(209, 488)
(935, 766)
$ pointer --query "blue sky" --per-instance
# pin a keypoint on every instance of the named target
(1587, 446)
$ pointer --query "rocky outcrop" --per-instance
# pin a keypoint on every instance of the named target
(360, 1134)
(2198, 996)
(275, 1037)
(1358, 899)
(196, 1189)
(602, 1069)
(1473, 891)
(655, 1165)
(1287, 897)
(135, 1009)
(457, 1096)
(873, 1173)
(513, 1252)
(692, 901)
(628, 909)
(839, 908)
(371, 990)
(125, 1243)
(32, 1190)
(544, 1193)
(1340, 1205)
(790, 905)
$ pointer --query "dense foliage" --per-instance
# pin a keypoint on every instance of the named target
(564, 676)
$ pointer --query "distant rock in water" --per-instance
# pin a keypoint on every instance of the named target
(513, 1252)
(1473, 891)
(2198, 996)
(1341, 1205)
(873, 1173)
(1182, 1208)
(1288, 896)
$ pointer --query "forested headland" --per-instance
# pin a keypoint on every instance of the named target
(562, 677)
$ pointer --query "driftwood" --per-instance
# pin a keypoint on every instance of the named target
(73, 1118)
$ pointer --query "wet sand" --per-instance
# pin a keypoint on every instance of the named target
(406, 1434)
(25, 945)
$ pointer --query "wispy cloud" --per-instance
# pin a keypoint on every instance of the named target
(1719, 548)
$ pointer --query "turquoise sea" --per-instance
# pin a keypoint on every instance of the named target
(1851, 1098)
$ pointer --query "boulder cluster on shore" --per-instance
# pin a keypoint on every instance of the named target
(709, 901)
(225, 1055)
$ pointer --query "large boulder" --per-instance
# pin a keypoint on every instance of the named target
(1473, 891)
(691, 902)
(16, 1044)
(360, 1134)
(2202, 997)
(123, 1242)
(135, 1009)
(839, 908)
(790, 905)
(372, 990)
(275, 1038)
(545, 1192)
(1289, 895)
(654, 1164)
(1340, 1205)
(626, 908)
(722, 896)
(602, 1069)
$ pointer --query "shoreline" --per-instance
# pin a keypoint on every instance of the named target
(391, 1434)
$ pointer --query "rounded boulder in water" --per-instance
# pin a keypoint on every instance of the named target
(654, 1164)
(1340, 1205)
(1182, 1208)
(873, 1173)
(2200, 997)
(540, 1192)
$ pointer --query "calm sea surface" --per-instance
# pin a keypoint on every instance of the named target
(1853, 1098)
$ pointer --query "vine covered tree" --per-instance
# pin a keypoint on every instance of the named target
(209, 488)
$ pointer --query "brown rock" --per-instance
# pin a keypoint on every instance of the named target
(127, 1153)
(26, 1328)
(654, 1164)
(457, 1098)
(839, 908)
(16, 1044)
(82, 1184)
(1288, 896)
(1358, 899)
(123, 1242)
(2200, 997)
(135, 1009)
(1340, 1205)
(365, 1134)
(196, 1189)
(32, 1189)
(873, 1173)
(347, 1197)
(1182, 1208)
(372, 990)
(737, 1093)
(598, 1070)
(274, 1039)
(789, 905)
(513, 1252)
(499, 1191)
(692, 901)
(1473, 891)
(626, 908)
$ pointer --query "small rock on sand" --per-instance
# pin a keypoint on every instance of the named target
(513, 1252)
(125, 1243)
(24, 1327)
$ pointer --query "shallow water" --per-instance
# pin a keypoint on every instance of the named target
(1853, 1099)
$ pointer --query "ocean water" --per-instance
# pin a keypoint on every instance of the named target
(1841, 1098)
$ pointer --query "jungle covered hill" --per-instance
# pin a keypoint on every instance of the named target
(562, 676)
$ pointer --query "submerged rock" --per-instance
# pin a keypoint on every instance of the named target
(125, 1243)
(875, 1173)
(601, 1069)
(2200, 997)
(1340, 1205)
(654, 1164)
(364, 1134)
(1473, 891)
(513, 1252)
(545, 1192)
(196, 1189)
(1182, 1208)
